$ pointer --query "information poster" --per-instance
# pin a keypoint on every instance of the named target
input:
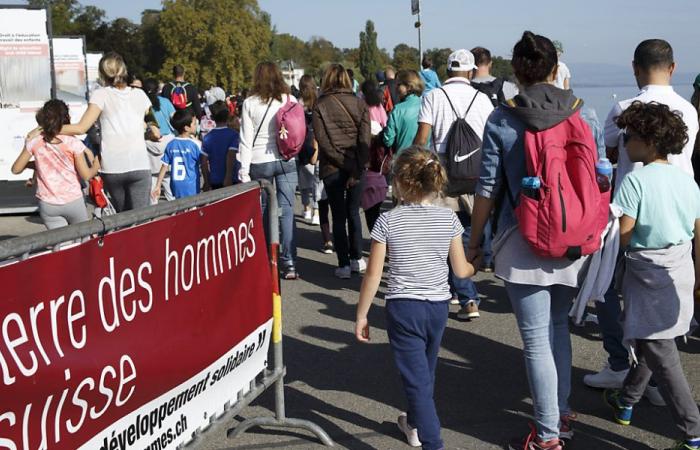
(93, 70)
(25, 64)
(70, 67)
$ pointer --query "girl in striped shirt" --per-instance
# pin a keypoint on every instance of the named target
(419, 237)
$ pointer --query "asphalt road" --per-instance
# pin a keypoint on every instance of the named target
(354, 393)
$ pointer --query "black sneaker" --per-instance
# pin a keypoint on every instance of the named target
(289, 273)
(327, 248)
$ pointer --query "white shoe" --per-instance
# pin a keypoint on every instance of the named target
(606, 378)
(316, 219)
(654, 396)
(411, 433)
(307, 214)
(343, 272)
(454, 301)
(358, 265)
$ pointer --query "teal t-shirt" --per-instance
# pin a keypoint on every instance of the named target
(664, 201)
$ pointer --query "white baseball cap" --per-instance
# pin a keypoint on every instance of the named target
(460, 61)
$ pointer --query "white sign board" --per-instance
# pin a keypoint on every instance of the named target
(25, 79)
(69, 65)
(93, 70)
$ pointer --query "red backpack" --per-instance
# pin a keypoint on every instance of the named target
(569, 214)
(178, 95)
(291, 126)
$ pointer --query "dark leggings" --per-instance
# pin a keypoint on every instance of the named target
(372, 214)
(129, 190)
(347, 225)
(323, 212)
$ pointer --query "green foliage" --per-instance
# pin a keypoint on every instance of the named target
(370, 58)
(286, 47)
(502, 68)
(439, 58)
(406, 57)
(218, 42)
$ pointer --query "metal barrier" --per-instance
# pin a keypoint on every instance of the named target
(23, 247)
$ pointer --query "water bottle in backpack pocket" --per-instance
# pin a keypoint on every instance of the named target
(570, 211)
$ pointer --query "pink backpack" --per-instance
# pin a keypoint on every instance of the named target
(291, 126)
(570, 214)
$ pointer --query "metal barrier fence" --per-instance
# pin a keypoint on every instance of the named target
(23, 247)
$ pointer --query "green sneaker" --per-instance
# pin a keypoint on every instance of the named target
(623, 414)
(693, 444)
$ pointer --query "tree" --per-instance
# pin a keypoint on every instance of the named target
(501, 68)
(124, 37)
(370, 58)
(63, 14)
(319, 53)
(219, 42)
(439, 57)
(286, 47)
(406, 57)
(153, 49)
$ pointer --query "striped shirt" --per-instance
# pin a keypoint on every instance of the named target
(418, 240)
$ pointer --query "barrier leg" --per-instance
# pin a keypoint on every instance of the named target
(280, 420)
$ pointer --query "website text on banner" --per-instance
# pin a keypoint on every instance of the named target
(137, 341)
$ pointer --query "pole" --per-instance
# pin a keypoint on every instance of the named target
(420, 39)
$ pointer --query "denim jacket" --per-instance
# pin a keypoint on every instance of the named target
(504, 142)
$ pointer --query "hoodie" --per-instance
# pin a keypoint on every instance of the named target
(543, 106)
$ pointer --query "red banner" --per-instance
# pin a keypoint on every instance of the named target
(138, 341)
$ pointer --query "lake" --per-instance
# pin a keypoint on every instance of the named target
(601, 98)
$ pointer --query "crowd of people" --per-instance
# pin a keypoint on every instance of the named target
(482, 173)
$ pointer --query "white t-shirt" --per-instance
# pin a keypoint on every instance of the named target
(436, 111)
(265, 148)
(660, 94)
(563, 73)
(122, 127)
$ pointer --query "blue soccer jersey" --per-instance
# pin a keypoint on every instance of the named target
(182, 155)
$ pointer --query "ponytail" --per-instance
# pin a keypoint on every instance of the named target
(418, 174)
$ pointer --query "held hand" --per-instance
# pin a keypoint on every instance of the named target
(34, 133)
(155, 195)
(474, 257)
(362, 330)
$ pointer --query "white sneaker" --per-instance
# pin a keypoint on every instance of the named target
(454, 301)
(316, 219)
(358, 265)
(606, 378)
(654, 396)
(307, 214)
(411, 433)
(343, 272)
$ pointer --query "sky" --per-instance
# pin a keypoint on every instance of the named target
(592, 31)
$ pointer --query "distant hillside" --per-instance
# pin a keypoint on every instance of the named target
(591, 75)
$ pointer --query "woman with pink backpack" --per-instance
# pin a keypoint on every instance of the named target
(521, 176)
(262, 158)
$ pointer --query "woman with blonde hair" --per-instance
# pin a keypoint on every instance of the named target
(121, 110)
(342, 127)
(260, 158)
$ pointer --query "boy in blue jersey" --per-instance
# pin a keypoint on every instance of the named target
(183, 155)
(221, 145)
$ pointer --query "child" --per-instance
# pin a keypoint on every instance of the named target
(182, 155)
(661, 207)
(221, 145)
(58, 161)
(417, 299)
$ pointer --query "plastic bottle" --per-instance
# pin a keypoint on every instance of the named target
(604, 172)
(530, 187)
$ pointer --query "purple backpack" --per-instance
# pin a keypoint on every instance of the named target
(291, 126)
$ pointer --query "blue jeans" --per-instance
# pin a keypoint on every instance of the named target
(609, 314)
(464, 287)
(415, 329)
(345, 208)
(542, 316)
(284, 176)
(486, 246)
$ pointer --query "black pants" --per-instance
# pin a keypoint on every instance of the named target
(345, 208)
(661, 358)
(372, 214)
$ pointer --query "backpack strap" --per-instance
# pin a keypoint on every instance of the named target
(449, 101)
(261, 123)
(470, 105)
